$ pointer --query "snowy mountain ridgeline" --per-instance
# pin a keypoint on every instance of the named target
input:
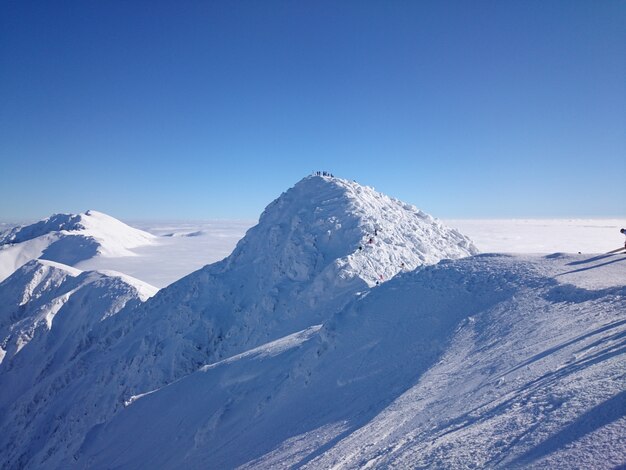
(486, 362)
(42, 294)
(316, 247)
(68, 239)
(347, 329)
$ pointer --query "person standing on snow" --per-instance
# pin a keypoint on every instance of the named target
(623, 231)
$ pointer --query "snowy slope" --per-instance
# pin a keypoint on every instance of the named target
(37, 295)
(69, 239)
(50, 315)
(309, 255)
(491, 361)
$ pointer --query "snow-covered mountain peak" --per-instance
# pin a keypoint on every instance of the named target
(54, 223)
(316, 247)
(69, 239)
(89, 223)
(326, 222)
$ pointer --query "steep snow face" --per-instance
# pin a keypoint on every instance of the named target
(36, 294)
(309, 255)
(352, 231)
(487, 362)
(315, 248)
(69, 239)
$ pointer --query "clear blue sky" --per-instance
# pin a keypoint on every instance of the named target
(210, 109)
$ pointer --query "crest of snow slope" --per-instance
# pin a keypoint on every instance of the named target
(486, 362)
(69, 239)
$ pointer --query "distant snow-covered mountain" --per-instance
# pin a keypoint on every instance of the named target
(69, 239)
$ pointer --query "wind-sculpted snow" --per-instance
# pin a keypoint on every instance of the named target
(69, 239)
(352, 230)
(487, 362)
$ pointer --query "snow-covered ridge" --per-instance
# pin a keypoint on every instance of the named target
(319, 246)
(69, 239)
(309, 255)
(316, 247)
(486, 362)
(102, 227)
(229, 366)
(32, 297)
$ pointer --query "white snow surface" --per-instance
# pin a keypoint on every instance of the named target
(487, 362)
(346, 330)
(179, 249)
(543, 235)
(31, 298)
(69, 239)
(48, 314)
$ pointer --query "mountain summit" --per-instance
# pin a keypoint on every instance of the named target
(318, 246)
(330, 224)
(309, 347)
(321, 245)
